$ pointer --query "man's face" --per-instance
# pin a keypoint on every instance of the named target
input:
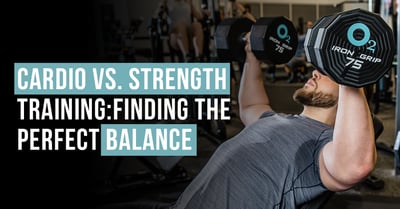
(319, 91)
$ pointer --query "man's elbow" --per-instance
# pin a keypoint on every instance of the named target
(364, 170)
(243, 116)
(359, 172)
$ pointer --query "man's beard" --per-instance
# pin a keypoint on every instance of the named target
(314, 98)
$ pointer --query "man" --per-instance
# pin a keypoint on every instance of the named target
(281, 160)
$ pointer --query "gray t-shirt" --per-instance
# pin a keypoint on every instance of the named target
(272, 163)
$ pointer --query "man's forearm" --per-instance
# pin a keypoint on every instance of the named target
(252, 94)
(353, 151)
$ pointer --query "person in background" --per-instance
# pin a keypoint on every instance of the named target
(243, 10)
(293, 67)
(186, 30)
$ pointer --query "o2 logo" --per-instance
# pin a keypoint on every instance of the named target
(364, 40)
(283, 32)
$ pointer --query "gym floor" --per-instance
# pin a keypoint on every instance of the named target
(132, 192)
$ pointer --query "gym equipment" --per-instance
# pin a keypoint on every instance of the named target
(354, 48)
(158, 172)
(396, 149)
(161, 170)
(158, 32)
(128, 52)
(311, 36)
(273, 39)
(208, 23)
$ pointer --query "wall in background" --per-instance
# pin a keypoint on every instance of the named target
(120, 13)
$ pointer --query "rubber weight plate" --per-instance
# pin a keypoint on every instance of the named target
(311, 36)
(228, 35)
(274, 39)
(357, 49)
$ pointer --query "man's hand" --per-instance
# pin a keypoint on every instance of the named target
(249, 54)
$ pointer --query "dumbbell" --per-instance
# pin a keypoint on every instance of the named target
(354, 47)
(273, 39)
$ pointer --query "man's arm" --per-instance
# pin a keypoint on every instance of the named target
(253, 99)
(351, 155)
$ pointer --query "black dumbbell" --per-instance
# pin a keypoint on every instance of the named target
(273, 39)
(354, 48)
